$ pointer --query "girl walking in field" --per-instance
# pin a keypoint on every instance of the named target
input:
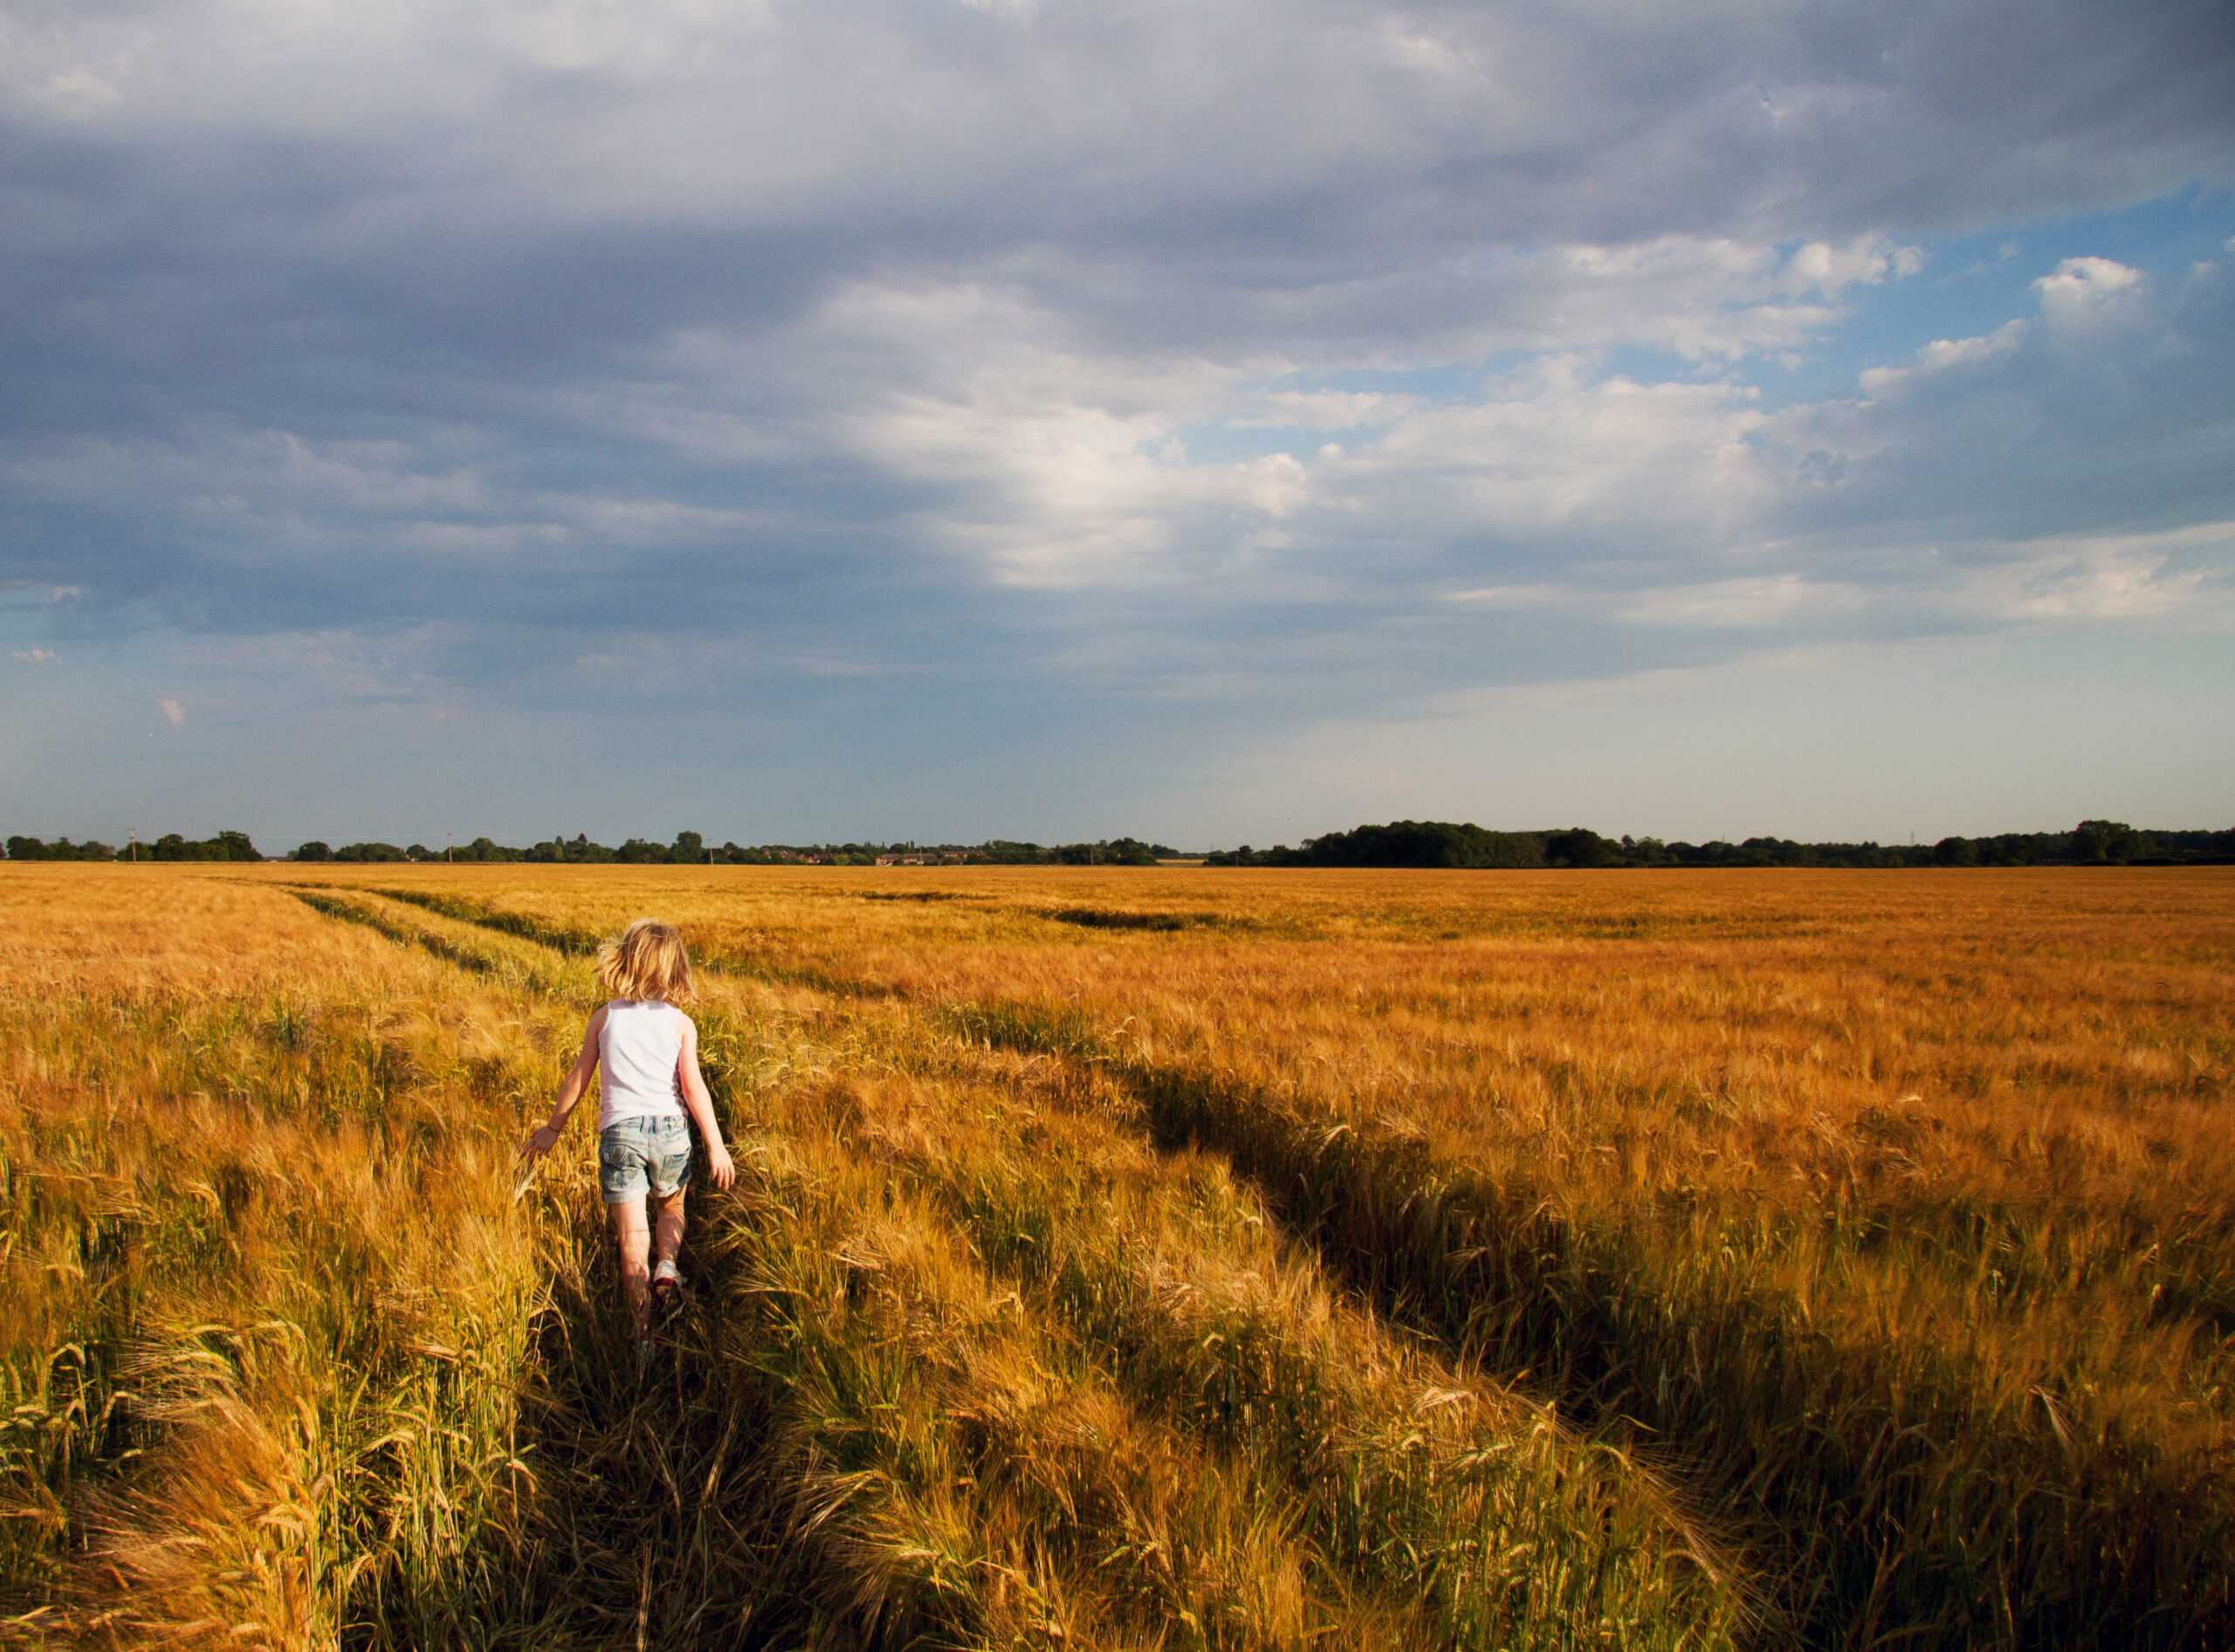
(650, 1050)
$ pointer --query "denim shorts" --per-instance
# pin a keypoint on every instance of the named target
(633, 1154)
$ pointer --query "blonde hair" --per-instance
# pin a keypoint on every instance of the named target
(647, 962)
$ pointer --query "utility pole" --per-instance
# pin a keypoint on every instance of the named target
(134, 832)
(447, 836)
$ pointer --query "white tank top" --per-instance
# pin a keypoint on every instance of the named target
(638, 1049)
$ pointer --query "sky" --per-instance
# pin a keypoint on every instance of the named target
(1213, 420)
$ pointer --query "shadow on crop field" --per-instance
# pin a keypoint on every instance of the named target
(647, 1516)
(1098, 917)
(653, 1521)
(561, 937)
(529, 974)
(1888, 1495)
(573, 942)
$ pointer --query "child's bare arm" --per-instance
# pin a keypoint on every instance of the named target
(719, 1163)
(570, 1092)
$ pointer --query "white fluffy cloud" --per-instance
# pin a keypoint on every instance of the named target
(2087, 293)
(1944, 356)
(1061, 466)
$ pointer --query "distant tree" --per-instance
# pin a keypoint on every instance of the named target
(689, 850)
(313, 851)
(1425, 844)
(369, 852)
(1577, 846)
(1955, 851)
(2194, 845)
(1128, 851)
(2099, 841)
(223, 846)
(2023, 849)
(26, 848)
(1775, 851)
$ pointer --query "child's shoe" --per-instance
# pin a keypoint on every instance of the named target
(667, 1290)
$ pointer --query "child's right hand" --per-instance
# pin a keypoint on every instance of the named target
(540, 1143)
(720, 1166)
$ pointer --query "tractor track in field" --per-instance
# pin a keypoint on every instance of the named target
(1864, 1541)
(651, 1524)
(586, 1425)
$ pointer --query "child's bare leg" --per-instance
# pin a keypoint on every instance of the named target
(635, 1259)
(667, 1229)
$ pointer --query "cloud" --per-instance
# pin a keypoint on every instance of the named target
(2107, 412)
(1943, 355)
(2119, 576)
(174, 713)
(1017, 360)
(740, 111)
(32, 656)
(2087, 293)
(921, 446)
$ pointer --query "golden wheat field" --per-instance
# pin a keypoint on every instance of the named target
(1179, 1258)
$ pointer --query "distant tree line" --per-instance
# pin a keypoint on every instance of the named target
(1444, 843)
(689, 849)
(171, 846)
(1404, 843)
